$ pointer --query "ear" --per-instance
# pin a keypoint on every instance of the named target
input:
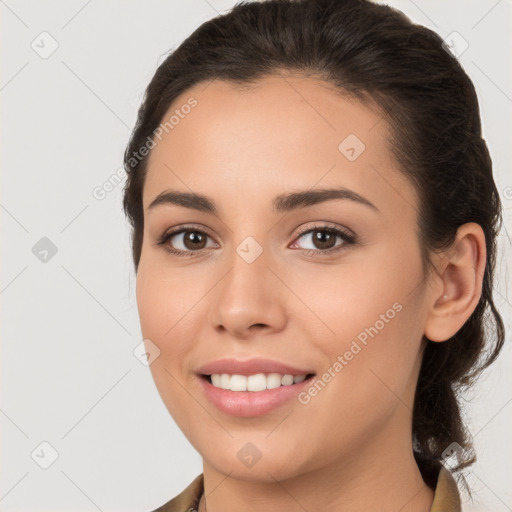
(457, 284)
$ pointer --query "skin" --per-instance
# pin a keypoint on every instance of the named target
(350, 447)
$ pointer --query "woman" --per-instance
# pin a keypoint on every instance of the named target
(314, 231)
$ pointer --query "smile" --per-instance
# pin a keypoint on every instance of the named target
(255, 383)
(249, 398)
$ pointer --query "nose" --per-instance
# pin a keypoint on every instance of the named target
(249, 300)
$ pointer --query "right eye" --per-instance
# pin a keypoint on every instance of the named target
(184, 241)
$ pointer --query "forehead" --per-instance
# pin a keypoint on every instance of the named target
(281, 132)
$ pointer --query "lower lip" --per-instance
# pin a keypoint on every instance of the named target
(250, 403)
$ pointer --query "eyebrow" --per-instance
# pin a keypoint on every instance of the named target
(281, 203)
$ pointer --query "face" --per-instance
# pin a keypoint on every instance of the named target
(331, 285)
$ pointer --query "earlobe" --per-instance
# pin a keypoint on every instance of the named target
(461, 278)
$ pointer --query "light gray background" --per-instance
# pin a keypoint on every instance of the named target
(69, 325)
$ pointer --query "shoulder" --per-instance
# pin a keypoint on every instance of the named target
(187, 500)
(441, 481)
(446, 498)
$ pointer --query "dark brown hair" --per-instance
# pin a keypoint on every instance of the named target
(378, 55)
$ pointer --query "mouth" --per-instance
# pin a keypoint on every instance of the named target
(254, 383)
(252, 395)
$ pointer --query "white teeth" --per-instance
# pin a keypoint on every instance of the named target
(273, 380)
(287, 380)
(257, 382)
(224, 381)
(238, 383)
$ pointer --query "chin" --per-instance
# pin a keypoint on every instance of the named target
(258, 461)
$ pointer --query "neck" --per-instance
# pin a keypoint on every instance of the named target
(379, 475)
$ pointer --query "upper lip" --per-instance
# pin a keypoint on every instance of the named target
(249, 367)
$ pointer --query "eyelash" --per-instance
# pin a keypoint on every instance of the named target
(347, 238)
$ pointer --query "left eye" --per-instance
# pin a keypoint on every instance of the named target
(324, 239)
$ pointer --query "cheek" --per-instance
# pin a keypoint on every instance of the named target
(371, 334)
(346, 300)
(368, 380)
(166, 301)
(171, 306)
(165, 309)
